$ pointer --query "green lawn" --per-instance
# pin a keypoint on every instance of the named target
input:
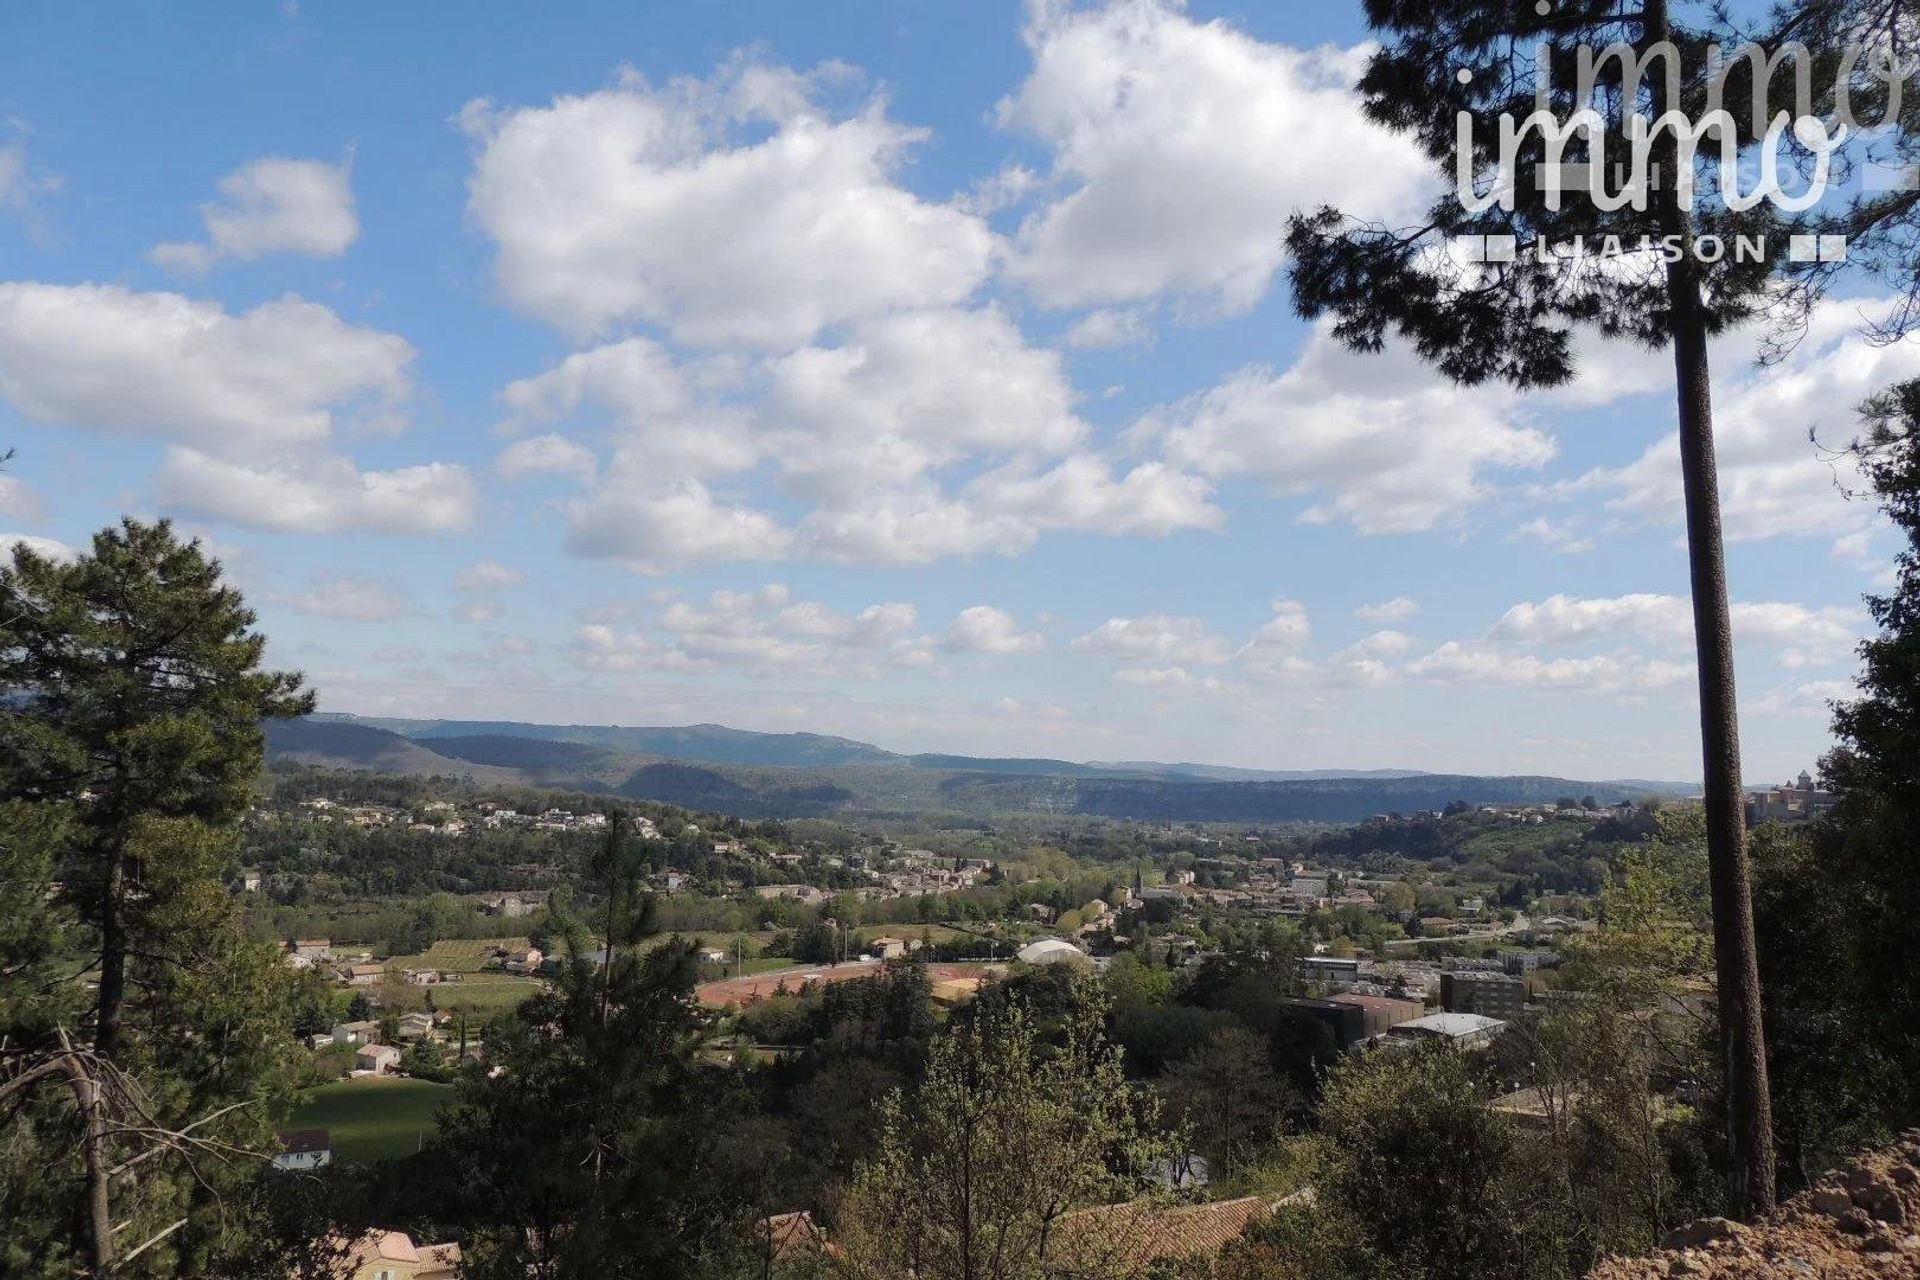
(457, 955)
(371, 1118)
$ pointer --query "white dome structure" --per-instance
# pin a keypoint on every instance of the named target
(1050, 951)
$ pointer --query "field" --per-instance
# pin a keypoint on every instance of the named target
(371, 1118)
(734, 991)
(457, 955)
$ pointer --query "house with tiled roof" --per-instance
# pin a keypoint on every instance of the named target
(1122, 1241)
(392, 1255)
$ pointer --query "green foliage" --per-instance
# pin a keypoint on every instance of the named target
(601, 1145)
(1008, 1130)
(131, 698)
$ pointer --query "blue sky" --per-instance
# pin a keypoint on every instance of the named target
(913, 371)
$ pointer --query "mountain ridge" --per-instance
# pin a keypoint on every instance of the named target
(747, 774)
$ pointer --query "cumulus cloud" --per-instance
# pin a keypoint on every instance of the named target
(1107, 327)
(488, 575)
(651, 526)
(985, 629)
(918, 435)
(480, 611)
(250, 402)
(317, 494)
(1374, 440)
(1278, 645)
(1169, 678)
(272, 205)
(1774, 482)
(1561, 535)
(110, 358)
(48, 548)
(1463, 662)
(766, 630)
(1398, 609)
(1801, 635)
(732, 210)
(1157, 638)
(350, 600)
(545, 455)
(17, 499)
(1179, 148)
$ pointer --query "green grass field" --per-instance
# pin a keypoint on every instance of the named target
(371, 1118)
(457, 955)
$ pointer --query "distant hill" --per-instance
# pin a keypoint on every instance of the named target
(712, 742)
(340, 745)
(762, 775)
(1228, 773)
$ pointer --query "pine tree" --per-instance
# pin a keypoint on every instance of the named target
(131, 697)
(1515, 322)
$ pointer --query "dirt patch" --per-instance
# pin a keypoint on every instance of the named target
(1860, 1221)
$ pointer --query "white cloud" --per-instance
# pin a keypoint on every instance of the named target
(1379, 644)
(1398, 609)
(655, 407)
(273, 205)
(48, 548)
(317, 494)
(652, 527)
(488, 575)
(1278, 645)
(1169, 678)
(1157, 637)
(1801, 635)
(985, 629)
(1180, 148)
(1458, 662)
(1561, 535)
(1107, 327)
(1774, 482)
(1813, 698)
(765, 630)
(350, 599)
(480, 611)
(107, 357)
(17, 499)
(920, 435)
(733, 210)
(20, 185)
(543, 455)
(1375, 440)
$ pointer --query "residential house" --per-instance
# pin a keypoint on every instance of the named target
(356, 1032)
(363, 975)
(521, 960)
(303, 1149)
(888, 948)
(1128, 1241)
(303, 953)
(415, 1026)
(378, 1059)
(392, 1255)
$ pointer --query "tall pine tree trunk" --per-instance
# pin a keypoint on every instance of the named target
(1735, 958)
(1736, 961)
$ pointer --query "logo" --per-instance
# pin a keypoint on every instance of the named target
(1621, 169)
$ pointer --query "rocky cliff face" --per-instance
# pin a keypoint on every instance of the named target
(1860, 1221)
